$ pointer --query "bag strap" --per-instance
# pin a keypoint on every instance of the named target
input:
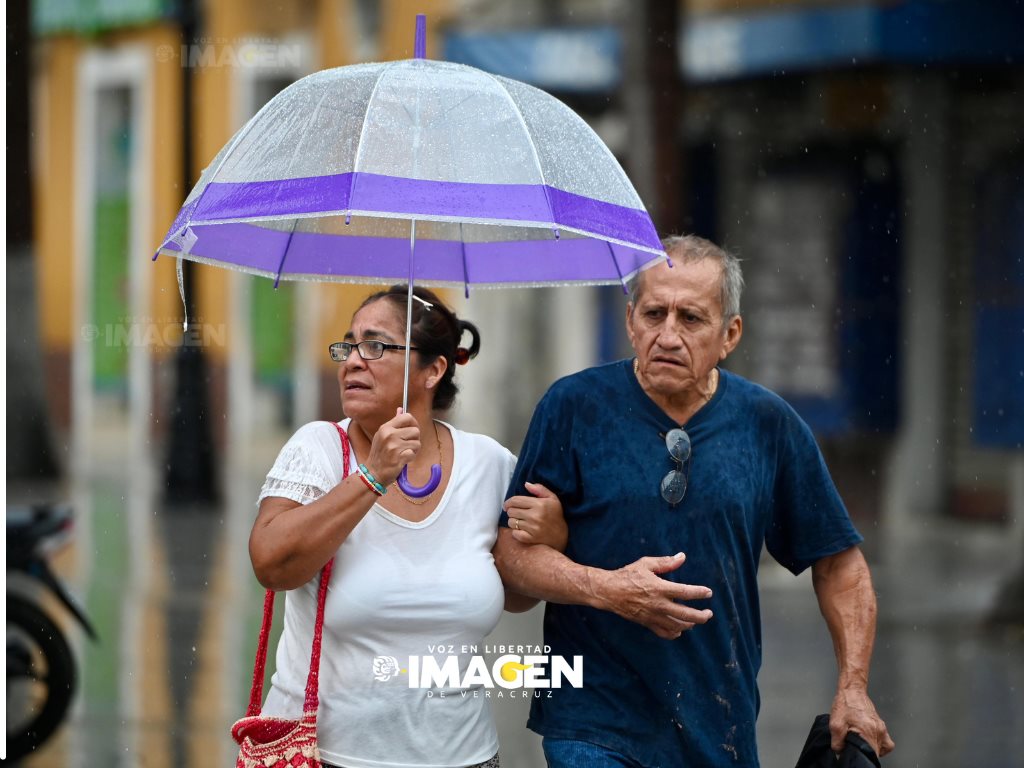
(312, 702)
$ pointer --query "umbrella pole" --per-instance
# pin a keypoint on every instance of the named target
(435, 469)
(408, 318)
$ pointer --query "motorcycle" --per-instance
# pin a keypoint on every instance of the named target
(41, 670)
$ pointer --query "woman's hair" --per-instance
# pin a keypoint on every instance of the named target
(436, 332)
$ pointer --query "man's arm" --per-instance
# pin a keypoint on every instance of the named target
(635, 592)
(842, 583)
(534, 520)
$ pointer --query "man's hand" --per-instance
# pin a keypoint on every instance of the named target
(842, 583)
(852, 710)
(538, 518)
(636, 592)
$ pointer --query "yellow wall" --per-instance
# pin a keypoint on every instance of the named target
(54, 115)
(212, 127)
(335, 32)
(168, 192)
(54, 188)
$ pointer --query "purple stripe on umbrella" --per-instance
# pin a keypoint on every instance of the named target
(241, 245)
(373, 193)
(450, 199)
(547, 261)
(311, 254)
(181, 219)
(604, 219)
(284, 197)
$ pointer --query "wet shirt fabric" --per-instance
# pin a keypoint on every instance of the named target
(756, 477)
(399, 589)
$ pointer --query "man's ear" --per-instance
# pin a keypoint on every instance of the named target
(733, 334)
(629, 322)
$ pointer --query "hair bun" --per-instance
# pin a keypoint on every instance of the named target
(461, 356)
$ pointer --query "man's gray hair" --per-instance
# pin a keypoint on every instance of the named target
(689, 249)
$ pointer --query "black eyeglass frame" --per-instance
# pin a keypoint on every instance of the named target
(339, 354)
(671, 496)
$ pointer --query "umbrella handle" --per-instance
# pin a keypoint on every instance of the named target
(425, 490)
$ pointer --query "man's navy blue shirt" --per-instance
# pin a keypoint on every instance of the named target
(756, 477)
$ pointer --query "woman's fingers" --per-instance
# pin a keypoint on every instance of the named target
(395, 444)
(537, 520)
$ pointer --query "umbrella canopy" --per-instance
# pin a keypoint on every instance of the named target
(416, 170)
(507, 185)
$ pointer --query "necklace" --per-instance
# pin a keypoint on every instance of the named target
(440, 458)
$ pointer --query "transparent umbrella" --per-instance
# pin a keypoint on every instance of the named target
(417, 170)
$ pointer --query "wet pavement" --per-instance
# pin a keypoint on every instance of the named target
(177, 611)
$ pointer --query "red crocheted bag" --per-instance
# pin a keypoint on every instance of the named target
(278, 742)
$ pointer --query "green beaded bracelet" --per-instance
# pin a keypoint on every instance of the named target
(380, 489)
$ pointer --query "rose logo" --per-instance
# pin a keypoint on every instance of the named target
(385, 667)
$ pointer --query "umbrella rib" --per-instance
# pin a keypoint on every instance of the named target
(309, 122)
(234, 143)
(440, 117)
(522, 121)
(287, 246)
(362, 133)
(621, 177)
(618, 269)
(465, 265)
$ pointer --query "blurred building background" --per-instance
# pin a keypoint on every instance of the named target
(864, 159)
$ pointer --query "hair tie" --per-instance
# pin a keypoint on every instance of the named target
(461, 356)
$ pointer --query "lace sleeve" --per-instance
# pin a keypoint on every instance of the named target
(300, 473)
(299, 492)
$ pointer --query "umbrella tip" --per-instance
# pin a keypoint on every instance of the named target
(420, 48)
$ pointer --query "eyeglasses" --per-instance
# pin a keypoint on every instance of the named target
(673, 485)
(368, 350)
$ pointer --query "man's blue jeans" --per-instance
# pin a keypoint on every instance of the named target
(569, 753)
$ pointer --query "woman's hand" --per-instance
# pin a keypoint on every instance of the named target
(395, 444)
(538, 518)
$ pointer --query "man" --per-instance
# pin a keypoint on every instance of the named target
(668, 453)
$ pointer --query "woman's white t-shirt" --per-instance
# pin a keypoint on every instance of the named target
(399, 590)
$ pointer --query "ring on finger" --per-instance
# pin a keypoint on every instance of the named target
(515, 523)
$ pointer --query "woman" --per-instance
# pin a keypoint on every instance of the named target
(413, 577)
